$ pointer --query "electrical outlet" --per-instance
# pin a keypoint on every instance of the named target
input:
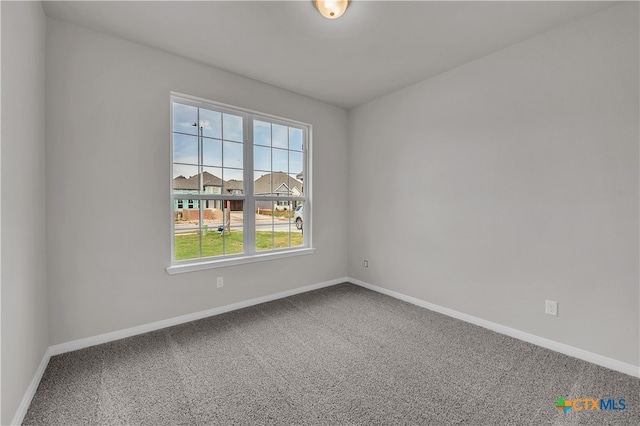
(366, 263)
(220, 282)
(551, 308)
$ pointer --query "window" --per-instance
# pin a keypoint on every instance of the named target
(237, 178)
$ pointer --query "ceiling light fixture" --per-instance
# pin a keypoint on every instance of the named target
(331, 9)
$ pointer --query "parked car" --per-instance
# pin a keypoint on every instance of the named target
(297, 216)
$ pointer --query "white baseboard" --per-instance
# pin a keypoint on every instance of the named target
(120, 334)
(31, 390)
(145, 328)
(591, 357)
(613, 364)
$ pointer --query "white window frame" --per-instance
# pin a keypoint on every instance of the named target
(250, 254)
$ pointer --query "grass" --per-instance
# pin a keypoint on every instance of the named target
(285, 213)
(187, 246)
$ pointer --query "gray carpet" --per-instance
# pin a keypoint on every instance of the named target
(341, 355)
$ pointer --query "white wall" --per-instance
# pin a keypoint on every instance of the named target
(24, 292)
(108, 222)
(511, 180)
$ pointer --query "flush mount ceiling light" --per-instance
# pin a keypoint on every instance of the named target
(331, 9)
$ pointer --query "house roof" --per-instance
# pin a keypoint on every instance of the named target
(209, 179)
(281, 182)
(232, 184)
(274, 180)
(191, 183)
(181, 182)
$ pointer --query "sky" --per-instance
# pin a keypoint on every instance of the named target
(276, 147)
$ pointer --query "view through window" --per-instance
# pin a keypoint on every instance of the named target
(237, 182)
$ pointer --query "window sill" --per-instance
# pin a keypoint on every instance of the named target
(221, 263)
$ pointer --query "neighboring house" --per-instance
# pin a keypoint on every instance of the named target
(300, 177)
(279, 184)
(234, 187)
(211, 184)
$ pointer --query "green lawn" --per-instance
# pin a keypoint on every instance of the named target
(285, 213)
(187, 246)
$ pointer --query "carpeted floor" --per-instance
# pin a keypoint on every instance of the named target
(341, 355)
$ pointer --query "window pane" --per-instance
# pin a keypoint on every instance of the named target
(186, 243)
(232, 154)
(298, 225)
(185, 179)
(232, 231)
(221, 230)
(211, 152)
(232, 180)
(280, 184)
(232, 127)
(185, 149)
(262, 183)
(185, 119)
(282, 214)
(211, 123)
(276, 226)
(261, 158)
(264, 225)
(233, 187)
(295, 139)
(212, 225)
(280, 160)
(186, 217)
(211, 180)
(295, 162)
(280, 137)
(295, 186)
(186, 214)
(261, 133)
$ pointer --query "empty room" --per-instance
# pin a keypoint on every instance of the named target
(320, 212)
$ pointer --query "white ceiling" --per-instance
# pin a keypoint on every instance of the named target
(375, 48)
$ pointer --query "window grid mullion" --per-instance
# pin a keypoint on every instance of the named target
(224, 227)
(249, 216)
(200, 182)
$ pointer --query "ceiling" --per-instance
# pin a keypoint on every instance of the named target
(375, 48)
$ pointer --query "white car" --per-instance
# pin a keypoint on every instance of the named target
(297, 216)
